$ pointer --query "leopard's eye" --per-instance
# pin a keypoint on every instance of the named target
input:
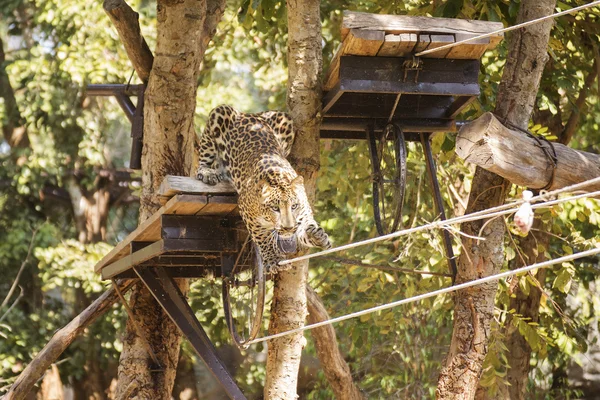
(275, 208)
(294, 206)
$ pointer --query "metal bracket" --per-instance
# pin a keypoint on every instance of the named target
(414, 64)
(168, 295)
(135, 114)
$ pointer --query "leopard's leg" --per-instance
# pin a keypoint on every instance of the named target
(283, 127)
(220, 119)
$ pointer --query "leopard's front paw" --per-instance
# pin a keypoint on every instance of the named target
(271, 268)
(208, 175)
(317, 237)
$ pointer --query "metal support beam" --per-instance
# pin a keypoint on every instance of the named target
(135, 114)
(168, 295)
(439, 202)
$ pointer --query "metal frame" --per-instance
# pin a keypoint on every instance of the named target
(376, 90)
(439, 202)
(135, 114)
(167, 294)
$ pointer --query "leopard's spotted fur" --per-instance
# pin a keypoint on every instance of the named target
(251, 150)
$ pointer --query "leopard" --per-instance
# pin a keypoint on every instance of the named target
(250, 150)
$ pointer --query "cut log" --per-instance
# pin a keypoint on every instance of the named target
(517, 157)
(61, 340)
(128, 27)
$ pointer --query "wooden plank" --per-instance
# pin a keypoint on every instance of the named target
(357, 42)
(149, 230)
(219, 205)
(363, 43)
(423, 41)
(468, 51)
(439, 41)
(173, 185)
(398, 45)
(409, 24)
(125, 263)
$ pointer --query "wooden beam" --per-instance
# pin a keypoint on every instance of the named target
(61, 340)
(173, 185)
(517, 157)
(411, 24)
(468, 51)
(127, 23)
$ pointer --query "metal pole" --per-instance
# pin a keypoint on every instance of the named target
(439, 202)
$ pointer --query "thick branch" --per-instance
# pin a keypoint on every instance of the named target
(214, 13)
(336, 369)
(127, 23)
(61, 340)
(518, 157)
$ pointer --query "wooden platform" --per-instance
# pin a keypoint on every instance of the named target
(160, 235)
(374, 78)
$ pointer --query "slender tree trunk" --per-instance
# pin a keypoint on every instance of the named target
(288, 309)
(335, 367)
(13, 127)
(474, 307)
(528, 305)
(169, 139)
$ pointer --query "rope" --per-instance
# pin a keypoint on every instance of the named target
(431, 294)
(489, 213)
(510, 28)
(539, 139)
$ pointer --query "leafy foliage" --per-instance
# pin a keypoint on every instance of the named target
(55, 47)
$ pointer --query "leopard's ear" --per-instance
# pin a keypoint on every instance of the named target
(298, 181)
(265, 189)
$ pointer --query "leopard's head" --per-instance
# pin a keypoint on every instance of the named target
(282, 207)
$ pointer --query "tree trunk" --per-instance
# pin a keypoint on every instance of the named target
(335, 367)
(169, 138)
(474, 307)
(288, 309)
(528, 306)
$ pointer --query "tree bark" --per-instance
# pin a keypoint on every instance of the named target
(169, 138)
(335, 367)
(518, 157)
(13, 127)
(60, 341)
(288, 309)
(474, 307)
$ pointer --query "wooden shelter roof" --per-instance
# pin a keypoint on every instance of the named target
(365, 34)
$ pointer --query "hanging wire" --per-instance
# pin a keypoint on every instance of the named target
(424, 296)
(484, 214)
